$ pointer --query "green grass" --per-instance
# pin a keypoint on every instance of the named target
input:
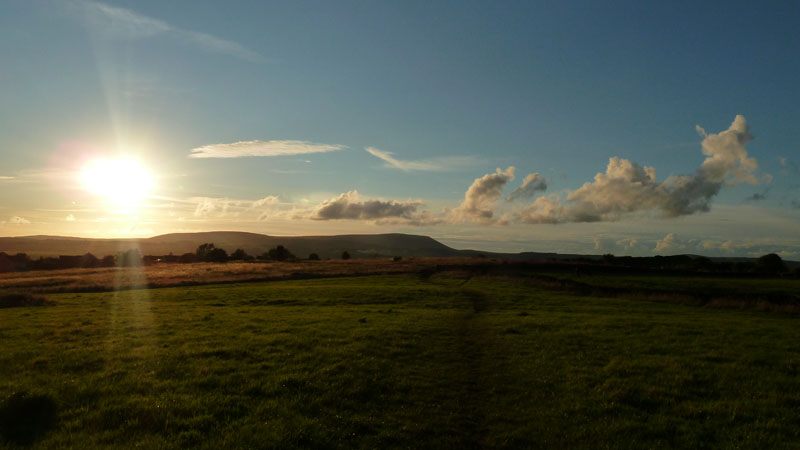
(706, 284)
(393, 362)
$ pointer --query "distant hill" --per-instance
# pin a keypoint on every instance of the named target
(358, 245)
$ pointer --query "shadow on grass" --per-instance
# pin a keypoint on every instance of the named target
(25, 417)
(19, 299)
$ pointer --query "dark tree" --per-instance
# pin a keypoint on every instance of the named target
(188, 258)
(345, 255)
(279, 253)
(240, 255)
(204, 250)
(217, 255)
(770, 263)
(313, 257)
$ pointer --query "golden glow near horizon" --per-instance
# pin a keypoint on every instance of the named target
(123, 182)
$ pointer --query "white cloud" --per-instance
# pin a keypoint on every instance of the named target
(70, 218)
(262, 148)
(531, 185)
(124, 23)
(626, 187)
(442, 164)
(481, 197)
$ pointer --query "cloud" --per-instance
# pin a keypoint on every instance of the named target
(431, 165)
(624, 246)
(350, 205)
(17, 220)
(481, 197)
(626, 187)
(789, 167)
(262, 148)
(532, 184)
(6, 178)
(70, 218)
(266, 201)
(124, 23)
(670, 243)
(219, 207)
(758, 196)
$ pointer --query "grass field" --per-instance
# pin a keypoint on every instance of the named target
(393, 362)
(166, 275)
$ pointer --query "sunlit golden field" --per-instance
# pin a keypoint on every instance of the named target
(164, 275)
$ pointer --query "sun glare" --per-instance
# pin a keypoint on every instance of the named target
(123, 182)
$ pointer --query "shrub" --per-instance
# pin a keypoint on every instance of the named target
(770, 263)
(279, 253)
(313, 257)
(345, 255)
(240, 255)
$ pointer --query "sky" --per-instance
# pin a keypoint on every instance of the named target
(632, 128)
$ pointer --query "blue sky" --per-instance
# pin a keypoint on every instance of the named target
(457, 92)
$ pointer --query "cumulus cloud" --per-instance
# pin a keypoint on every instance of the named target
(262, 148)
(125, 23)
(431, 165)
(350, 205)
(481, 197)
(626, 187)
(531, 185)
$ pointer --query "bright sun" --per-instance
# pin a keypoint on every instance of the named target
(122, 181)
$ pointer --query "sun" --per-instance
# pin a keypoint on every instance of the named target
(124, 182)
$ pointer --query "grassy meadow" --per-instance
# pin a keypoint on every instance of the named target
(393, 361)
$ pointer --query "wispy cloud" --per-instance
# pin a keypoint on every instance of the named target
(262, 148)
(442, 164)
(121, 22)
(17, 220)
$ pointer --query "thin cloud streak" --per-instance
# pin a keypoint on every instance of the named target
(262, 148)
(443, 164)
(132, 25)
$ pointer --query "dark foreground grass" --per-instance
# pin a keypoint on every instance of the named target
(393, 362)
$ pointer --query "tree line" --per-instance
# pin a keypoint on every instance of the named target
(207, 252)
